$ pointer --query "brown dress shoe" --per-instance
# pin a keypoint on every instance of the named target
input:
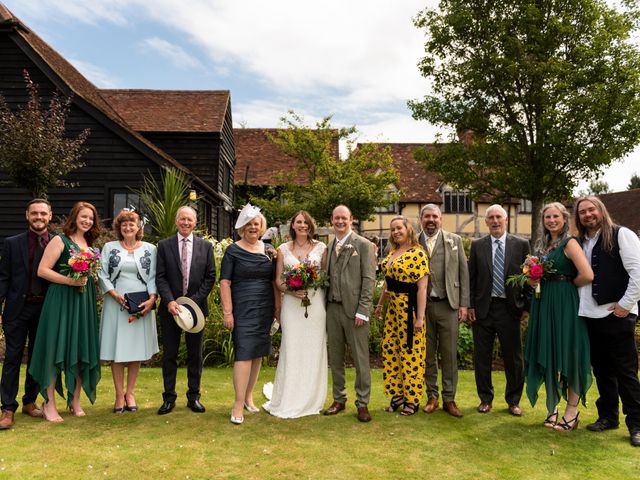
(336, 407)
(363, 414)
(484, 407)
(32, 410)
(515, 410)
(6, 421)
(431, 405)
(452, 409)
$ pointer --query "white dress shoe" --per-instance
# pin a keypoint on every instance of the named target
(251, 409)
(236, 420)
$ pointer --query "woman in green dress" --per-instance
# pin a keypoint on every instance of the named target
(67, 337)
(557, 345)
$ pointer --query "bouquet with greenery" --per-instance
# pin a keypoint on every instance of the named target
(304, 276)
(82, 263)
(533, 268)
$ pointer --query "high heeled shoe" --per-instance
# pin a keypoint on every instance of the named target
(52, 420)
(395, 404)
(551, 420)
(409, 409)
(568, 425)
(251, 408)
(130, 408)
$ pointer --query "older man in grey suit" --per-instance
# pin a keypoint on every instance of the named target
(352, 275)
(448, 299)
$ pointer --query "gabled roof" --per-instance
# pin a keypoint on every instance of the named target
(622, 207)
(66, 76)
(200, 111)
(259, 161)
(417, 185)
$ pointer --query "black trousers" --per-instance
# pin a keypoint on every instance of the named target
(615, 365)
(171, 334)
(16, 333)
(500, 321)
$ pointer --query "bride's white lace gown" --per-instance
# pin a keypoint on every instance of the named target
(300, 386)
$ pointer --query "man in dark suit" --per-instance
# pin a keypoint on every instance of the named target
(447, 303)
(22, 293)
(496, 308)
(185, 268)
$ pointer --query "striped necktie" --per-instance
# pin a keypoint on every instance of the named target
(497, 289)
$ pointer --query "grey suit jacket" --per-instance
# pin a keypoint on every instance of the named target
(357, 274)
(481, 273)
(455, 268)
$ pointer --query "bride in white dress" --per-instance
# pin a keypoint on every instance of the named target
(300, 386)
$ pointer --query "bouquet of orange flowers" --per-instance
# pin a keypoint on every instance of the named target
(82, 263)
(534, 268)
(304, 276)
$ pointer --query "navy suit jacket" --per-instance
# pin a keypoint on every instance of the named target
(202, 274)
(14, 275)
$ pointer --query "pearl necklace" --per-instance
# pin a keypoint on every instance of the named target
(128, 248)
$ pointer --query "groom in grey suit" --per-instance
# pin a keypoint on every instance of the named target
(352, 276)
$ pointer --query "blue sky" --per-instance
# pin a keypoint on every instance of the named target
(353, 59)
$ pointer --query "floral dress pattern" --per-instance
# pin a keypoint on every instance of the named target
(403, 370)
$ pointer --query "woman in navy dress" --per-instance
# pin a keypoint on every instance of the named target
(249, 304)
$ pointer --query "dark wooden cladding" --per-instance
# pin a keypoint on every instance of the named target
(116, 159)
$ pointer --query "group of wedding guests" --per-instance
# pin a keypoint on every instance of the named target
(581, 315)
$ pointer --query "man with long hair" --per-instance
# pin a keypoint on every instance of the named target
(610, 307)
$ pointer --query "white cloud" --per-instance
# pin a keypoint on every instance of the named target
(174, 53)
(95, 74)
(91, 12)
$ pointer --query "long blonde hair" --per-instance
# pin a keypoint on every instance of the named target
(544, 236)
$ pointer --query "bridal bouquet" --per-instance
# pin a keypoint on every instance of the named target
(534, 268)
(304, 276)
(82, 263)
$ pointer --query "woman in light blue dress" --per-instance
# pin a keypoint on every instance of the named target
(128, 266)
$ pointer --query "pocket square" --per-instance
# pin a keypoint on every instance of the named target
(354, 254)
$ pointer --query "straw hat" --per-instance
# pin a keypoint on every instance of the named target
(190, 318)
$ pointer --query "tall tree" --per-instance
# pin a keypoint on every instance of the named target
(549, 88)
(361, 181)
(35, 150)
(634, 182)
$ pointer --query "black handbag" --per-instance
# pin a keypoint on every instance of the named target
(132, 301)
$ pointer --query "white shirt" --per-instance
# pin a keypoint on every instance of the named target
(630, 254)
(189, 250)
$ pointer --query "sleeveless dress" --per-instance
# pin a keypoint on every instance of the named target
(403, 368)
(557, 344)
(300, 386)
(67, 337)
(121, 341)
(251, 277)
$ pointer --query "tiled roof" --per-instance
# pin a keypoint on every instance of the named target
(83, 88)
(170, 110)
(259, 161)
(417, 185)
(622, 207)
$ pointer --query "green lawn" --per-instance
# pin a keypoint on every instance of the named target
(185, 445)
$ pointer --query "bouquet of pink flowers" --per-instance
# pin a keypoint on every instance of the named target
(304, 276)
(534, 268)
(82, 263)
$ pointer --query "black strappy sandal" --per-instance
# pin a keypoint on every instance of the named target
(396, 403)
(409, 409)
(552, 420)
(568, 425)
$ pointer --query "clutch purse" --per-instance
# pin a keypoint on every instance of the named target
(132, 301)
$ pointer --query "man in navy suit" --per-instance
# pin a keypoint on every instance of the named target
(496, 309)
(185, 268)
(22, 293)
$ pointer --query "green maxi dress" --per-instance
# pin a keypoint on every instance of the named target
(557, 344)
(67, 338)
